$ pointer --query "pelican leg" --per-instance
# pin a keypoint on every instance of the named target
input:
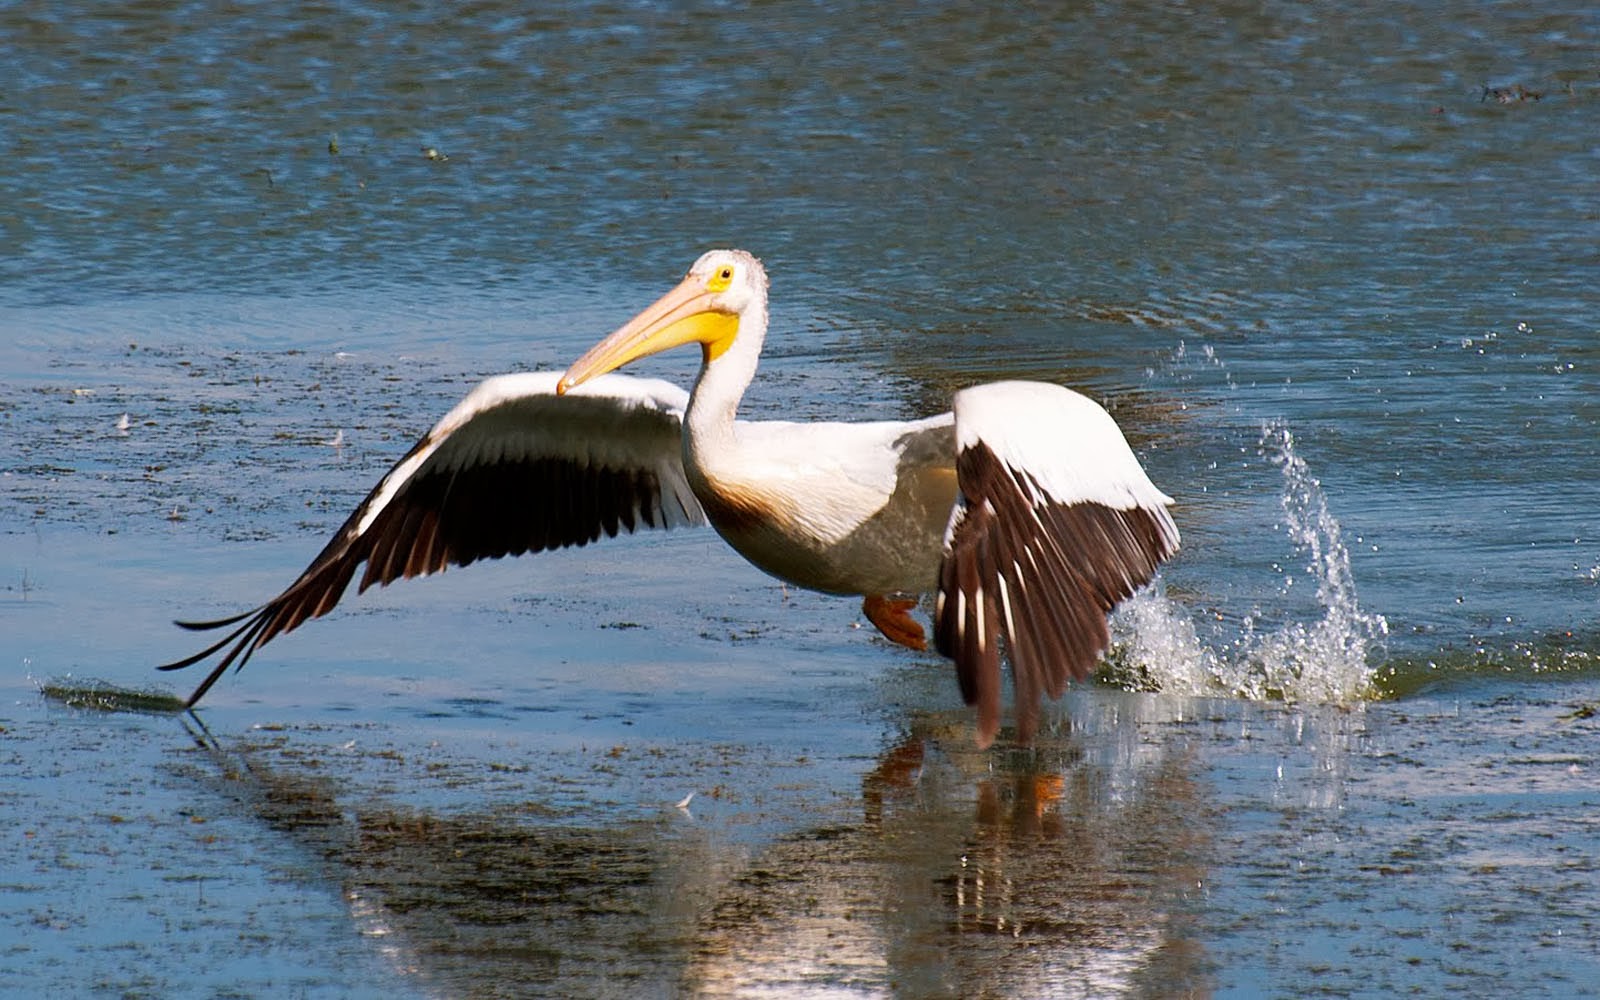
(895, 775)
(890, 617)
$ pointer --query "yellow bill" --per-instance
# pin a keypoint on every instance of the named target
(691, 313)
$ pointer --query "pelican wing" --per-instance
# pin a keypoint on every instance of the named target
(1055, 524)
(511, 469)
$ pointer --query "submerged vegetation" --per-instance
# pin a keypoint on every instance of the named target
(104, 696)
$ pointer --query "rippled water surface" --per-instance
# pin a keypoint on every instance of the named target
(1332, 268)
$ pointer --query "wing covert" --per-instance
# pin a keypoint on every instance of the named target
(1055, 524)
(511, 469)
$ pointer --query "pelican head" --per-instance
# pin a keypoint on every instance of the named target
(705, 308)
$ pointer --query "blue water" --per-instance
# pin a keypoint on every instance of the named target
(1330, 268)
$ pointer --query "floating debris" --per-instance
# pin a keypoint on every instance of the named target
(123, 423)
(104, 696)
(1510, 95)
(433, 154)
(1582, 710)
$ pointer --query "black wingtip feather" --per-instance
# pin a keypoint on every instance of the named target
(190, 661)
(219, 623)
(488, 487)
(1063, 566)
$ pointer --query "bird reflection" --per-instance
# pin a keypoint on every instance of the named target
(1065, 869)
(1052, 873)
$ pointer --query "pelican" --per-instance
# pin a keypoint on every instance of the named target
(1022, 510)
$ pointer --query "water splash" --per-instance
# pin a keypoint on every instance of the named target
(1327, 660)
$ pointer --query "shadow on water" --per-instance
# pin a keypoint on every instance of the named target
(1068, 869)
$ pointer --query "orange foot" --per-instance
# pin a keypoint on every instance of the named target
(890, 617)
(1046, 791)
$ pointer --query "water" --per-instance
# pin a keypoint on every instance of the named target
(1332, 272)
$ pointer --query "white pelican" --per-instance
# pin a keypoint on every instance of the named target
(1023, 509)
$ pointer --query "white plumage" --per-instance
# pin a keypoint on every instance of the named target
(1066, 440)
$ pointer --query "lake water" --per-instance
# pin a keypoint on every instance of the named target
(1333, 269)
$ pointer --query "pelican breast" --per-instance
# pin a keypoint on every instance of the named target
(835, 507)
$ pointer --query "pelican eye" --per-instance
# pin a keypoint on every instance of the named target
(721, 280)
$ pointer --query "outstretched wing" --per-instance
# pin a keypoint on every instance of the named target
(1056, 522)
(513, 468)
